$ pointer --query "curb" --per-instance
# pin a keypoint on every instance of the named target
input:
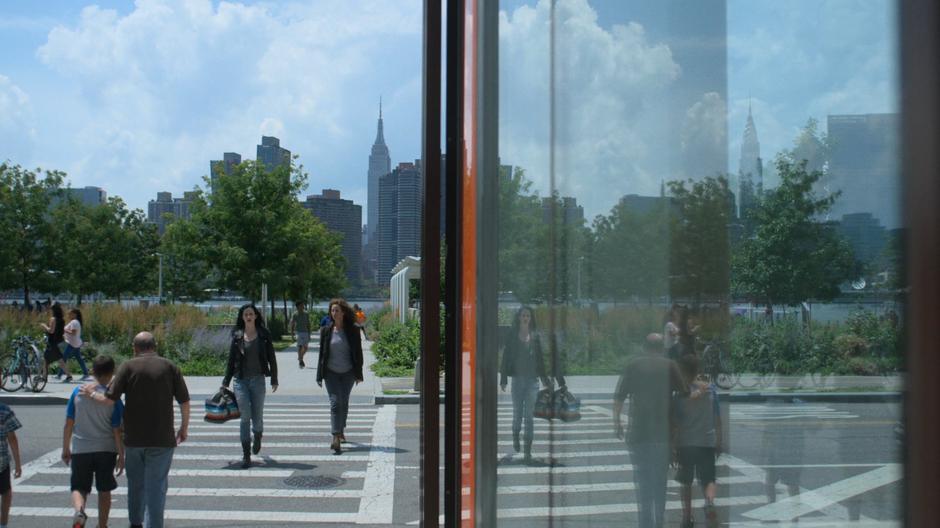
(33, 399)
(740, 397)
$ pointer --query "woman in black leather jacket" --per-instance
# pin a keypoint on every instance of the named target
(250, 359)
(340, 365)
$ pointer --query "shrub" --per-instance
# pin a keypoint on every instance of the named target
(850, 346)
(397, 349)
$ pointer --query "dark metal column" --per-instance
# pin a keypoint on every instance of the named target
(920, 100)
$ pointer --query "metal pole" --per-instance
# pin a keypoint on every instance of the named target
(160, 280)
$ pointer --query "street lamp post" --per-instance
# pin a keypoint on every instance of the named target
(580, 260)
(160, 280)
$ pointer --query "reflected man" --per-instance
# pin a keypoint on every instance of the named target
(649, 381)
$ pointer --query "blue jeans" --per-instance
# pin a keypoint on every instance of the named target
(71, 351)
(338, 386)
(524, 393)
(250, 395)
(650, 470)
(148, 469)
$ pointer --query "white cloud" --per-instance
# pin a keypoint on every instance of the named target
(17, 126)
(704, 136)
(174, 83)
(607, 81)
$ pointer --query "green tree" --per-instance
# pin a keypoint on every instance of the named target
(27, 252)
(629, 256)
(699, 249)
(186, 265)
(523, 237)
(792, 257)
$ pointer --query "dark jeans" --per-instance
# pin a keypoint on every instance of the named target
(70, 352)
(338, 386)
(524, 393)
(650, 470)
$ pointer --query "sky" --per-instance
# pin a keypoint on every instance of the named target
(137, 97)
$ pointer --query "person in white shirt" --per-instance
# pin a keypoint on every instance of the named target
(73, 340)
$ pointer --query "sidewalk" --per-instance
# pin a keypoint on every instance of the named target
(293, 381)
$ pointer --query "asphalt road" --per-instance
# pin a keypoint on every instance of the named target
(841, 460)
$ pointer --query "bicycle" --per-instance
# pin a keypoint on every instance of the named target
(716, 364)
(24, 365)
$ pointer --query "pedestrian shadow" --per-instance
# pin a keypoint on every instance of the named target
(365, 448)
(270, 463)
(518, 460)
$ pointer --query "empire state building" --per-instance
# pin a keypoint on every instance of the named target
(380, 164)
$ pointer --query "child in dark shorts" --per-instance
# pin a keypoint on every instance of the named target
(697, 428)
(92, 445)
(9, 448)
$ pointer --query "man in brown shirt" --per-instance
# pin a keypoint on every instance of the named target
(150, 384)
(649, 381)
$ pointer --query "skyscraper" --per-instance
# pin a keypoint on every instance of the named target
(399, 224)
(750, 168)
(345, 217)
(271, 154)
(165, 209)
(380, 164)
(864, 166)
(90, 195)
(223, 166)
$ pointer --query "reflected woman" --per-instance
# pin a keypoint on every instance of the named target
(251, 357)
(523, 362)
(340, 365)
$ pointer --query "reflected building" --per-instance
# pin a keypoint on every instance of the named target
(865, 234)
(750, 169)
(90, 195)
(863, 165)
(399, 223)
(344, 217)
(568, 210)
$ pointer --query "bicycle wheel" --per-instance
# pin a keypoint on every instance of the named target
(13, 375)
(37, 376)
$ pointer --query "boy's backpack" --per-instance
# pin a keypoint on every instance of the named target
(222, 407)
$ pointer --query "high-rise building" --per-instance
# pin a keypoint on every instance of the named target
(568, 211)
(271, 154)
(750, 169)
(399, 223)
(380, 164)
(865, 234)
(222, 166)
(344, 217)
(864, 166)
(90, 195)
(165, 209)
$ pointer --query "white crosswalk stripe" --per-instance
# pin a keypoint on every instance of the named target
(206, 468)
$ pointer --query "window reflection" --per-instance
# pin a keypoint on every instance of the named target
(698, 219)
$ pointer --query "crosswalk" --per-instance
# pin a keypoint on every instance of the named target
(296, 480)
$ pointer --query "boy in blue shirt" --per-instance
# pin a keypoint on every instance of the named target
(8, 426)
(92, 445)
(697, 427)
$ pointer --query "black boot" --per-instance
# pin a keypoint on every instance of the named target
(528, 451)
(515, 441)
(256, 446)
(246, 455)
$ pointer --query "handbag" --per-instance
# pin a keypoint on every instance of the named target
(543, 405)
(566, 406)
(222, 407)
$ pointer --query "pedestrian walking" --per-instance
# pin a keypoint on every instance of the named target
(300, 322)
(73, 340)
(524, 363)
(149, 383)
(9, 448)
(340, 365)
(697, 421)
(649, 381)
(251, 358)
(360, 319)
(55, 332)
(92, 445)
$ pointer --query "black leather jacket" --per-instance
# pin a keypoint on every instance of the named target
(236, 358)
(355, 349)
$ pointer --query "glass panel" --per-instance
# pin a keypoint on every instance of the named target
(699, 264)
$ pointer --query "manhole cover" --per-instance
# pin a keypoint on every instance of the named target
(313, 481)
